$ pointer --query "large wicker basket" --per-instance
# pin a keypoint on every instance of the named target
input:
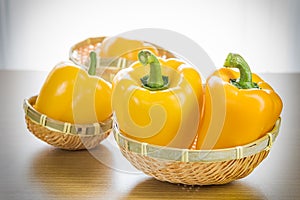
(64, 135)
(196, 167)
(107, 68)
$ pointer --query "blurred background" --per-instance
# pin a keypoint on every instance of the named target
(37, 34)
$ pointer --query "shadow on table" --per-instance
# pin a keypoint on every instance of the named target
(60, 173)
(154, 189)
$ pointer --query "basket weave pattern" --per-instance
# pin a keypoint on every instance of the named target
(107, 68)
(195, 173)
(196, 167)
(64, 140)
(79, 53)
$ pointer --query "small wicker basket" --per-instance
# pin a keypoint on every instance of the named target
(196, 167)
(61, 134)
(107, 68)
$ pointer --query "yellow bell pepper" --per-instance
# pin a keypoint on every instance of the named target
(158, 109)
(71, 94)
(122, 47)
(239, 107)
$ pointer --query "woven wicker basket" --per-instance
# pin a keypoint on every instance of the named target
(196, 167)
(107, 68)
(64, 135)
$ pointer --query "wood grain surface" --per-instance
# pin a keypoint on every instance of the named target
(32, 169)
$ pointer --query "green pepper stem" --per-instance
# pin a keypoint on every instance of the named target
(93, 63)
(155, 80)
(245, 80)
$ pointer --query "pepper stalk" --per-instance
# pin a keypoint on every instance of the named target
(93, 63)
(155, 80)
(245, 80)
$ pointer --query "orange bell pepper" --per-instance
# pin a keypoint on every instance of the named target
(239, 107)
(71, 94)
(121, 47)
(160, 102)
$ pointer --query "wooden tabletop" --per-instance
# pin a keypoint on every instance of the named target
(32, 169)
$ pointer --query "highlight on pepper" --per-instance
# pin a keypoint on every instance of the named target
(158, 101)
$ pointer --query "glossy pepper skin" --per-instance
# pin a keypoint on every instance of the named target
(239, 107)
(160, 105)
(71, 94)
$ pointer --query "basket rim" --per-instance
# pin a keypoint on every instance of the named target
(189, 155)
(85, 42)
(64, 127)
(116, 62)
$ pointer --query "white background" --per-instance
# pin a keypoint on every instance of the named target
(37, 34)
